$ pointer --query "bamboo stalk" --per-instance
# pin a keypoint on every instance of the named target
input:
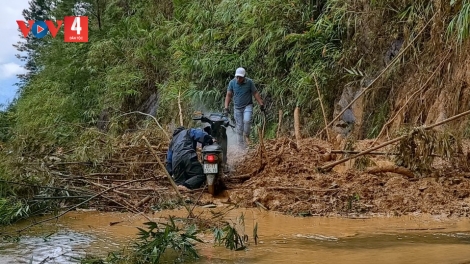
(409, 99)
(59, 197)
(143, 201)
(300, 189)
(180, 110)
(378, 77)
(114, 190)
(297, 125)
(75, 206)
(371, 153)
(329, 166)
(279, 124)
(106, 174)
(322, 108)
(156, 121)
(355, 152)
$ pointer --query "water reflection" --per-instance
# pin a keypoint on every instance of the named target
(62, 247)
(282, 239)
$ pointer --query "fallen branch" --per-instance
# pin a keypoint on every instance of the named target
(391, 168)
(156, 121)
(322, 108)
(126, 206)
(197, 200)
(300, 189)
(143, 201)
(329, 166)
(45, 187)
(59, 197)
(409, 99)
(356, 152)
(75, 206)
(180, 110)
(335, 151)
(167, 175)
(297, 126)
(146, 189)
(106, 174)
(279, 124)
(104, 187)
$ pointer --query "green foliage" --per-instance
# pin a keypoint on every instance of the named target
(420, 147)
(460, 23)
(11, 210)
(376, 119)
(230, 236)
(152, 243)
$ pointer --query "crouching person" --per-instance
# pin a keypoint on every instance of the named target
(182, 162)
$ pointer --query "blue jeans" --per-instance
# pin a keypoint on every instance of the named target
(243, 122)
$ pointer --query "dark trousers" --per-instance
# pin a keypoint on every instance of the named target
(189, 173)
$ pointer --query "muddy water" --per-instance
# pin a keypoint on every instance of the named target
(411, 239)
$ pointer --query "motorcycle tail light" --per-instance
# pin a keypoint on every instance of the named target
(211, 158)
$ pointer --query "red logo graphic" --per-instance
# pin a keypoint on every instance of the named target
(76, 29)
(39, 28)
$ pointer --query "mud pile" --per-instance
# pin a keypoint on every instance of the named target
(286, 179)
(281, 175)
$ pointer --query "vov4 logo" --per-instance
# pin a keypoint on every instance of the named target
(75, 28)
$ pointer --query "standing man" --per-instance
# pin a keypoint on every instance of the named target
(242, 89)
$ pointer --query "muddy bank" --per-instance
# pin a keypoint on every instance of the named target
(289, 182)
(284, 177)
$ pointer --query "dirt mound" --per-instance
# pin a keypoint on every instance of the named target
(281, 176)
(287, 180)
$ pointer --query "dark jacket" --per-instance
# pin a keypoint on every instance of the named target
(183, 145)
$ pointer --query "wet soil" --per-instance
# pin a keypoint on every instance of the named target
(289, 181)
(283, 176)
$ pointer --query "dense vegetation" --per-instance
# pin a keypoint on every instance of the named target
(145, 55)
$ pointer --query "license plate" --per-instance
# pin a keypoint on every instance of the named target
(210, 168)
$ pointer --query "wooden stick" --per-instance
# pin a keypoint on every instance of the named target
(322, 108)
(167, 174)
(370, 153)
(355, 152)
(59, 197)
(197, 200)
(409, 99)
(143, 201)
(75, 206)
(301, 189)
(104, 187)
(156, 121)
(106, 174)
(329, 166)
(279, 124)
(395, 59)
(297, 125)
(179, 106)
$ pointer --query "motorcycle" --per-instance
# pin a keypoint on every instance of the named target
(214, 157)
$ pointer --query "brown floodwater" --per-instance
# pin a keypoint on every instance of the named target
(408, 239)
